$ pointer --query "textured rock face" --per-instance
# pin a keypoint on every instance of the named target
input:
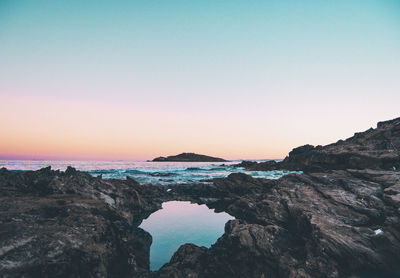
(374, 149)
(70, 224)
(333, 224)
(189, 157)
(65, 236)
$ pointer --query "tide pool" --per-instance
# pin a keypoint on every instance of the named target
(178, 223)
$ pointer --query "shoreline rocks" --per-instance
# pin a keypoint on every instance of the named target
(70, 224)
(341, 218)
(333, 224)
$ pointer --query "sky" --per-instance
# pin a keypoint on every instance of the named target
(133, 80)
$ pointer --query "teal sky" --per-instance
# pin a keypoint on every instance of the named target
(248, 78)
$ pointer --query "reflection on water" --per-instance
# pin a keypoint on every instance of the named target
(178, 223)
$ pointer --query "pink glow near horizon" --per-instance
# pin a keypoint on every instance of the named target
(135, 80)
(43, 127)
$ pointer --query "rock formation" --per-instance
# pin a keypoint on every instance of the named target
(70, 224)
(189, 157)
(377, 148)
(337, 224)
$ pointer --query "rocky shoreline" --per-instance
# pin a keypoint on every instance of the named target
(377, 148)
(341, 218)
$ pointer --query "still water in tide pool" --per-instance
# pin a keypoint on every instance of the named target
(178, 223)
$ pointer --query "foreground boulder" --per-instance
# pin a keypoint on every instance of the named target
(67, 236)
(56, 224)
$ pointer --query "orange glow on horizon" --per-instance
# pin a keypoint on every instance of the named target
(65, 128)
(61, 128)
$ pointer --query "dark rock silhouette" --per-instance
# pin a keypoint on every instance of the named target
(189, 157)
(377, 148)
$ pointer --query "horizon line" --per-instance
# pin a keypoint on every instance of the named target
(108, 159)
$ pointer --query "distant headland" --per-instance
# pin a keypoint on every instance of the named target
(188, 157)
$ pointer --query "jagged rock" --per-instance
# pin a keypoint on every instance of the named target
(70, 224)
(335, 224)
(184, 262)
(373, 149)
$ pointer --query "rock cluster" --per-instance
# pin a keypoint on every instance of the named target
(70, 224)
(336, 224)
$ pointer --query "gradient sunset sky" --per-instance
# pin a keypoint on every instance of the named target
(235, 79)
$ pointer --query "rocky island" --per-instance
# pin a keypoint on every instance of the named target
(340, 218)
(188, 157)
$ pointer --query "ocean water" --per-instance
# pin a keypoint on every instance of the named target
(178, 223)
(164, 173)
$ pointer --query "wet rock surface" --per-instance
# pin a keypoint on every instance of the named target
(341, 218)
(56, 224)
(333, 224)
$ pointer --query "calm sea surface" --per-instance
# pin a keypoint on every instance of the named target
(178, 223)
(163, 173)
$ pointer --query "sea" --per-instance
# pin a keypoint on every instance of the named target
(162, 173)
